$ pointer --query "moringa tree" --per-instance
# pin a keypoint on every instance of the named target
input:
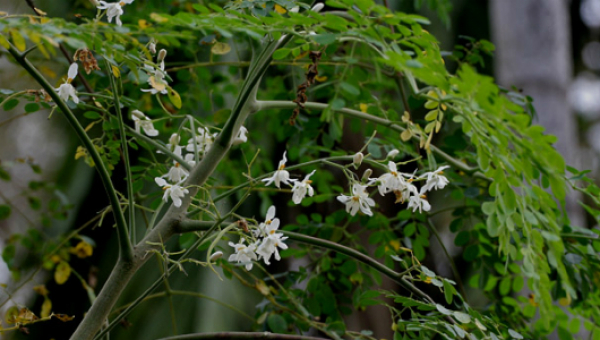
(207, 87)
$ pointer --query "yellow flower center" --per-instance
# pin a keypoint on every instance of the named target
(281, 167)
(272, 232)
(69, 80)
(355, 198)
(268, 222)
(122, 3)
(176, 165)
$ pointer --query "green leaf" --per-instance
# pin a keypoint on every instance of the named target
(462, 317)
(4, 175)
(281, 53)
(174, 98)
(4, 211)
(505, 285)
(11, 104)
(448, 292)
(32, 107)
(91, 115)
(324, 39)
(277, 323)
(518, 283)
(351, 89)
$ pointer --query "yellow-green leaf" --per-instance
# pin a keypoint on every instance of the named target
(430, 104)
(11, 314)
(116, 72)
(62, 272)
(4, 42)
(280, 9)
(174, 98)
(46, 308)
(431, 115)
(220, 48)
(405, 135)
(18, 40)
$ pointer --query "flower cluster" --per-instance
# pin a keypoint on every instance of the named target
(400, 184)
(267, 243)
(299, 188)
(178, 174)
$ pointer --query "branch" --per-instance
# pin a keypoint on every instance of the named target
(124, 244)
(158, 146)
(191, 225)
(125, 148)
(241, 335)
(278, 104)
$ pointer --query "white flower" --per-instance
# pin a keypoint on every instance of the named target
(152, 47)
(141, 121)
(359, 200)
(357, 158)
(114, 9)
(392, 154)
(204, 140)
(67, 90)
(272, 240)
(156, 80)
(241, 137)
(435, 180)
(280, 176)
(175, 191)
(391, 181)
(269, 220)
(190, 159)
(177, 173)
(244, 254)
(419, 202)
(300, 189)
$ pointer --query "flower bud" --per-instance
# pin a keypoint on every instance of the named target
(318, 7)
(366, 175)
(174, 140)
(215, 256)
(393, 154)
(152, 47)
(357, 159)
(161, 55)
(95, 3)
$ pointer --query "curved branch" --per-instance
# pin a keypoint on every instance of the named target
(124, 244)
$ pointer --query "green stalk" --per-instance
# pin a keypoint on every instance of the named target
(125, 250)
(125, 148)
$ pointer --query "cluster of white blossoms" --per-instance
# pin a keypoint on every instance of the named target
(299, 188)
(178, 174)
(67, 90)
(268, 242)
(113, 9)
(398, 183)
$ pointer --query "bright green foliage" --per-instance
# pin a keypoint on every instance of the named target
(507, 182)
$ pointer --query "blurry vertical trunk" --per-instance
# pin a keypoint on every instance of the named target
(533, 40)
